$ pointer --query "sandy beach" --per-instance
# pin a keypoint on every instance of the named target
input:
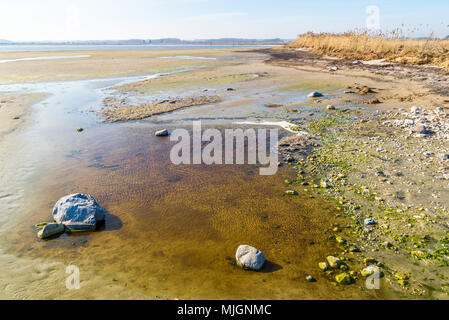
(174, 229)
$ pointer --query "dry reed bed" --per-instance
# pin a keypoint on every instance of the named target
(363, 46)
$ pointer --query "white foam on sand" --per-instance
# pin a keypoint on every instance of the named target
(44, 58)
(283, 124)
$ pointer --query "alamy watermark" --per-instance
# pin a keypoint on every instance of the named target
(190, 150)
(372, 282)
(73, 280)
(372, 21)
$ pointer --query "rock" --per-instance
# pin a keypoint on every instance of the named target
(324, 184)
(370, 270)
(369, 222)
(344, 266)
(403, 283)
(323, 266)
(315, 94)
(354, 249)
(364, 90)
(230, 89)
(291, 192)
(334, 68)
(310, 278)
(50, 229)
(248, 257)
(409, 122)
(40, 225)
(420, 254)
(333, 262)
(420, 129)
(373, 101)
(330, 107)
(401, 276)
(446, 176)
(340, 240)
(369, 261)
(78, 212)
(344, 278)
(388, 244)
(80, 129)
(443, 156)
(415, 109)
(161, 133)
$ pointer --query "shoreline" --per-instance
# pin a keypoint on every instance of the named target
(15, 110)
(362, 162)
(291, 76)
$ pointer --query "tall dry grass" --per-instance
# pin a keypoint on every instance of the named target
(364, 46)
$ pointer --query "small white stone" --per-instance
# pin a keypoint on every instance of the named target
(161, 133)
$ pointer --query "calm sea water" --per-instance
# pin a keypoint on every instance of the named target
(69, 47)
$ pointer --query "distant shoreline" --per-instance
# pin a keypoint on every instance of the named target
(237, 43)
(76, 47)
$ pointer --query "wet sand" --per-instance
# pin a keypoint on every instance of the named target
(172, 230)
(100, 64)
(14, 110)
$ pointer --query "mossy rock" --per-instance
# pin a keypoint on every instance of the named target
(401, 276)
(344, 278)
(340, 240)
(403, 283)
(333, 262)
(369, 261)
(370, 270)
(324, 185)
(344, 266)
(41, 225)
(50, 230)
(323, 266)
(420, 254)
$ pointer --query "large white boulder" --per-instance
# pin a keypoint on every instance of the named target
(78, 212)
(248, 257)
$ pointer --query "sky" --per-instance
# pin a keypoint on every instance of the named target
(55, 20)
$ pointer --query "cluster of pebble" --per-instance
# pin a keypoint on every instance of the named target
(421, 122)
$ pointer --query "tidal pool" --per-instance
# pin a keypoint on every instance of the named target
(171, 231)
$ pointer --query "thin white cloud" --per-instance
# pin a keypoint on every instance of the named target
(215, 16)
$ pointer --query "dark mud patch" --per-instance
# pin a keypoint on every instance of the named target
(435, 78)
(297, 148)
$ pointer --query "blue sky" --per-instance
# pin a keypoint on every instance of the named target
(23, 20)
